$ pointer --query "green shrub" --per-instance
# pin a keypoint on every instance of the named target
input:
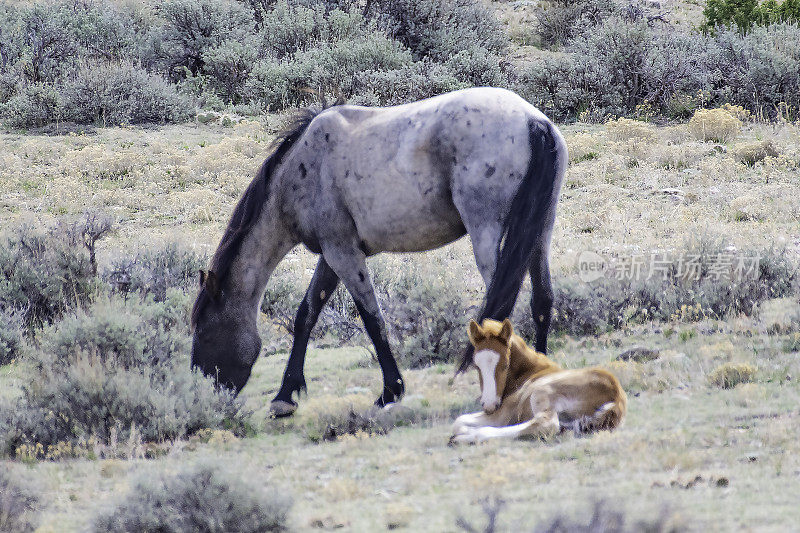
(10, 336)
(440, 29)
(34, 106)
(607, 303)
(118, 368)
(128, 336)
(44, 273)
(745, 13)
(121, 94)
(329, 67)
(425, 310)
(18, 504)
(197, 499)
(419, 80)
(228, 66)
(760, 70)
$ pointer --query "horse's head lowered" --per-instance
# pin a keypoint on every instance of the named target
(224, 345)
(492, 343)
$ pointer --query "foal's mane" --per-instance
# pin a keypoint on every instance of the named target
(249, 207)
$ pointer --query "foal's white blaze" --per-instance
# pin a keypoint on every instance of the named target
(486, 361)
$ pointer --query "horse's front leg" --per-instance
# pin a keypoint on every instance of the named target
(319, 292)
(350, 265)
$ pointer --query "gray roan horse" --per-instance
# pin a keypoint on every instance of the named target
(350, 182)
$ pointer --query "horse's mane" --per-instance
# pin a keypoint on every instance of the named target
(248, 209)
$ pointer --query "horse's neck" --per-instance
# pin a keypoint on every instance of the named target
(526, 364)
(260, 252)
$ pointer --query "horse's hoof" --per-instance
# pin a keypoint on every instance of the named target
(280, 408)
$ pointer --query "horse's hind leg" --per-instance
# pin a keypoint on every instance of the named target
(541, 295)
(349, 263)
(319, 292)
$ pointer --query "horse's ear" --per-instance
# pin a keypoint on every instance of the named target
(506, 331)
(475, 333)
(202, 278)
(212, 284)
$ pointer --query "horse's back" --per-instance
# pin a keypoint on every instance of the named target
(408, 173)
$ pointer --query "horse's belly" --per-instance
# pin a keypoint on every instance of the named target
(400, 226)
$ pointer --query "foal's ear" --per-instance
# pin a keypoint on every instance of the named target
(202, 278)
(475, 333)
(506, 331)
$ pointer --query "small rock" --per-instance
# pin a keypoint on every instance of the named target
(640, 354)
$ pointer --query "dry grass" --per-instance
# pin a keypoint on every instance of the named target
(631, 188)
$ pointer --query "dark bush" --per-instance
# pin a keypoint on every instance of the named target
(616, 66)
(17, 504)
(10, 336)
(152, 272)
(44, 273)
(331, 68)
(202, 499)
(561, 21)
(439, 29)
(193, 27)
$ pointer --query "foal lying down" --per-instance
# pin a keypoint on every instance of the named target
(523, 393)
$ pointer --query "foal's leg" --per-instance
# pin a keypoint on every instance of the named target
(319, 292)
(541, 295)
(470, 420)
(350, 265)
(542, 425)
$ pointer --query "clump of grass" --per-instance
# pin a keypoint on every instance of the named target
(625, 129)
(728, 375)
(754, 152)
(717, 125)
(17, 505)
(197, 499)
(373, 421)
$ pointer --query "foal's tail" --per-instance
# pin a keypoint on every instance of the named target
(528, 223)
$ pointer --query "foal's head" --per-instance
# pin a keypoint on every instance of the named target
(492, 343)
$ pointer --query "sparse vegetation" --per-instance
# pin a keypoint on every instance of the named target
(18, 504)
(104, 229)
(200, 498)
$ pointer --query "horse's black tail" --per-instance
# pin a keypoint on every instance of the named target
(528, 222)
